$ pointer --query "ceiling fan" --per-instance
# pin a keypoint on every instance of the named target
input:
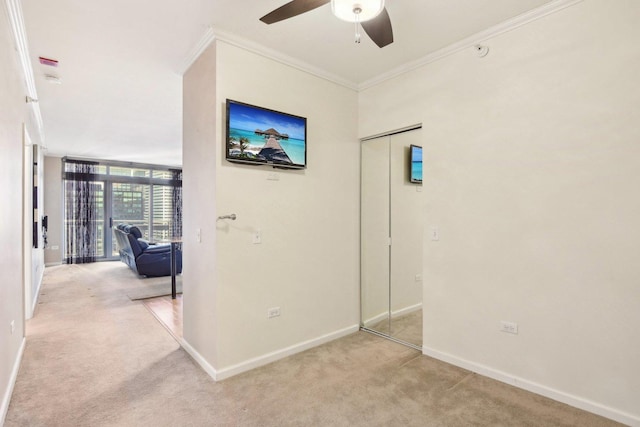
(370, 14)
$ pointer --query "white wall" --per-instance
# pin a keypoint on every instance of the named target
(13, 114)
(532, 170)
(199, 261)
(308, 261)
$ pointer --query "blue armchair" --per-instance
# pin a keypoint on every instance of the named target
(144, 258)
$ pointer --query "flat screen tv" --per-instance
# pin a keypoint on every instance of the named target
(415, 164)
(261, 136)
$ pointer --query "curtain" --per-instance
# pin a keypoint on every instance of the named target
(81, 213)
(176, 203)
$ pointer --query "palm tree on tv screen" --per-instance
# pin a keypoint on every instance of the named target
(243, 143)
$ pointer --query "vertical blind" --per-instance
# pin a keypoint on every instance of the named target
(81, 212)
(176, 203)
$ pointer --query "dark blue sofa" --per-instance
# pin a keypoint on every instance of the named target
(144, 258)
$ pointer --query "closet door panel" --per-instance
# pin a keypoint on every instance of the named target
(406, 219)
(375, 234)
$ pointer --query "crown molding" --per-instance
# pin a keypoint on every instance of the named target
(212, 34)
(489, 33)
(280, 57)
(14, 13)
(207, 38)
(14, 9)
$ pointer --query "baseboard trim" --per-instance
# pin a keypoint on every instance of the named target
(256, 362)
(53, 264)
(6, 399)
(285, 352)
(199, 359)
(376, 319)
(542, 390)
(406, 310)
(382, 316)
(36, 296)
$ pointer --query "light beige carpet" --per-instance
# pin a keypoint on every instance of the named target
(153, 287)
(140, 287)
(95, 358)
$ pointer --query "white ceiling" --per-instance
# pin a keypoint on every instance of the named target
(120, 61)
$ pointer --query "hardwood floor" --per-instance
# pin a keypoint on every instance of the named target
(168, 312)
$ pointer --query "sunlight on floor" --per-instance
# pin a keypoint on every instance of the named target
(168, 312)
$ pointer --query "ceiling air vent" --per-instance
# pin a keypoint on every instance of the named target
(47, 61)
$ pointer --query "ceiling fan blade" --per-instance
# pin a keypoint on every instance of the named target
(379, 29)
(291, 9)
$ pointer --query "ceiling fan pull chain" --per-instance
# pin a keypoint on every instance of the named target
(356, 11)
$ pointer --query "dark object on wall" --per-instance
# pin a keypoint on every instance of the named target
(45, 228)
(257, 135)
(35, 233)
(144, 258)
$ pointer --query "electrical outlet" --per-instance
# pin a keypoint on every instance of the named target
(55, 247)
(13, 326)
(418, 277)
(273, 312)
(257, 237)
(509, 327)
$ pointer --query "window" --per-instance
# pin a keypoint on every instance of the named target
(102, 194)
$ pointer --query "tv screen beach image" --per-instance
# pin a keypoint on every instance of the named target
(416, 164)
(265, 136)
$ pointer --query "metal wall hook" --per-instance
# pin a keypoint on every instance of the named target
(231, 217)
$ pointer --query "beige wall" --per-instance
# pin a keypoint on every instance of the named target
(531, 174)
(308, 261)
(13, 113)
(200, 262)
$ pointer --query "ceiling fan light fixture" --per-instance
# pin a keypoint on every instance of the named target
(356, 10)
